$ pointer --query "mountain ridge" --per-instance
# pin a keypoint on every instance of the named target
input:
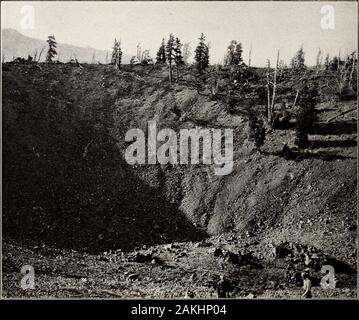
(15, 44)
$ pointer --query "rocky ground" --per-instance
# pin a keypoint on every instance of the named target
(176, 270)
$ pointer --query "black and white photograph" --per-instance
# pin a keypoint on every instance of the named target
(179, 150)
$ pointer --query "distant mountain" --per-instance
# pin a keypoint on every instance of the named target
(15, 44)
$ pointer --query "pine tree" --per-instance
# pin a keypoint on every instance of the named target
(202, 54)
(178, 56)
(51, 52)
(234, 54)
(297, 62)
(170, 54)
(161, 53)
(119, 55)
(327, 62)
(116, 54)
(178, 52)
(238, 54)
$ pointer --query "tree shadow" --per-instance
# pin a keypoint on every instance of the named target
(125, 214)
(325, 110)
(322, 128)
(66, 184)
(298, 155)
(334, 128)
(339, 266)
(333, 144)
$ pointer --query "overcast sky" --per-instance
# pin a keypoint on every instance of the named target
(266, 26)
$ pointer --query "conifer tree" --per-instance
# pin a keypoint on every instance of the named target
(178, 56)
(170, 54)
(119, 55)
(116, 54)
(178, 52)
(51, 52)
(327, 62)
(161, 53)
(202, 54)
(297, 62)
(234, 54)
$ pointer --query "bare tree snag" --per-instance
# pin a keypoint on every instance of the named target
(296, 98)
(269, 115)
(250, 56)
(42, 49)
(170, 71)
(274, 85)
(352, 71)
(271, 100)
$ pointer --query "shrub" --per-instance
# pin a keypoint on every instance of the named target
(305, 117)
(257, 131)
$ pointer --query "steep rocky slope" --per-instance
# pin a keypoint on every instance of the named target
(67, 185)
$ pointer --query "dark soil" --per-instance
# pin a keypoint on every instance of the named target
(78, 213)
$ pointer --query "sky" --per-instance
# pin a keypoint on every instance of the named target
(263, 26)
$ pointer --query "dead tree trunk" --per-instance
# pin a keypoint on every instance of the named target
(177, 72)
(42, 49)
(250, 56)
(338, 60)
(274, 86)
(352, 72)
(170, 71)
(269, 114)
(271, 100)
(296, 98)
